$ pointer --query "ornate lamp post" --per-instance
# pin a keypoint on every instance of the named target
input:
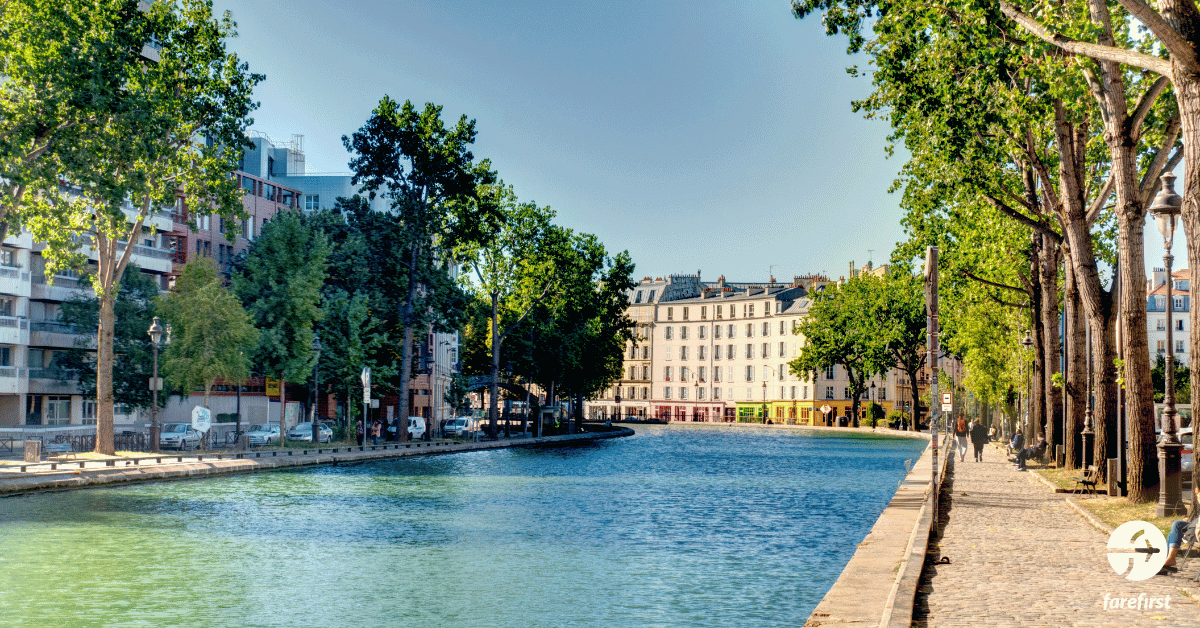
(764, 412)
(1166, 207)
(872, 408)
(1089, 433)
(1026, 344)
(156, 332)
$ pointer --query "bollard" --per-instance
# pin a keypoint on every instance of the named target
(1114, 470)
(33, 451)
(1060, 456)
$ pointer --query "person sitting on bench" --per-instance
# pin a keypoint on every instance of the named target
(1180, 530)
(1017, 442)
(1036, 451)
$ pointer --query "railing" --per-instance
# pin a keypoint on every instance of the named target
(10, 272)
(60, 281)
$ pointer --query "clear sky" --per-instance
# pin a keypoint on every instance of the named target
(697, 135)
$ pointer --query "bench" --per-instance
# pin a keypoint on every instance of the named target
(1088, 480)
(59, 451)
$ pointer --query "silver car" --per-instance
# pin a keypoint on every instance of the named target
(263, 434)
(303, 431)
(179, 436)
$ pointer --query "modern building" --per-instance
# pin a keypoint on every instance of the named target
(1156, 314)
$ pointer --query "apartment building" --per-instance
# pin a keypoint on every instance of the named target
(719, 352)
(1156, 314)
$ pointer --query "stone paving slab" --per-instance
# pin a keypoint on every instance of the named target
(1020, 556)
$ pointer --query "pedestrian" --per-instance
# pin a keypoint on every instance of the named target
(961, 431)
(375, 432)
(991, 433)
(979, 437)
(359, 433)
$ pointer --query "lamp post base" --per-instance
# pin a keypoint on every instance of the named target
(1170, 499)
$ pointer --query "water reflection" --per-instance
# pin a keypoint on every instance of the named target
(677, 526)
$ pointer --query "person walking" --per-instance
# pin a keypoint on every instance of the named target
(979, 437)
(375, 432)
(359, 433)
(961, 431)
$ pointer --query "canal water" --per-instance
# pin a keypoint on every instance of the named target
(676, 526)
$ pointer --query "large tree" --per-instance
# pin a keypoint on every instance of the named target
(175, 125)
(429, 176)
(279, 282)
(212, 337)
(841, 329)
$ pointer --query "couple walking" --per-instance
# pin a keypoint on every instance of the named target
(973, 430)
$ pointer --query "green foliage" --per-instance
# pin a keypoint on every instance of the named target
(280, 281)
(211, 334)
(1158, 374)
(133, 361)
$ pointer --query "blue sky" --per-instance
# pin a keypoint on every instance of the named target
(696, 135)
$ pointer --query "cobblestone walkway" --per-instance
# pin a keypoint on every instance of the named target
(1020, 556)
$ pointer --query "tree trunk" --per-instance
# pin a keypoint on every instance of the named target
(1187, 95)
(104, 381)
(406, 319)
(1054, 399)
(1035, 398)
(494, 407)
(1076, 381)
(282, 409)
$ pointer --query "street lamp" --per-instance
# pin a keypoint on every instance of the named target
(764, 412)
(1166, 208)
(316, 428)
(696, 402)
(872, 408)
(1089, 432)
(156, 332)
(1026, 343)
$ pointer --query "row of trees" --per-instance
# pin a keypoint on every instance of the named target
(1036, 145)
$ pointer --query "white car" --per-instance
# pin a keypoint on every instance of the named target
(179, 436)
(303, 431)
(263, 434)
(1187, 456)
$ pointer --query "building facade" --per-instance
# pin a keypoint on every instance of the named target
(1156, 314)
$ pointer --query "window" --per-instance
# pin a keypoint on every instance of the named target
(668, 332)
(683, 332)
(1160, 303)
(645, 372)
(716, 352)
(782, 349)
(701, 373)
(667, 351)
(683, 352)
(699, 393)
(883, 394)
(683, 392)
(632, 352)
(749, 373)
(804, 392)
(719, 309)
(751, 314)
(248, 184)
(1177, 304)
(1179, 325)
(781, 332)
(717, 332)
(729, 352)
(651, 299)
(7, 257)
(312, 202)
(683, 373)
(846, 393)
(782, 373)
(645, 353)
(1162, 324)
(1179, 346)
(749, 330)
(793, 393)
(7, 306)
(766, 350)
(732, 332)
(703, 312)
(633, 372)
(638, 298)
(670, 313)
(58, 411)
(89, 412)
(702, 332)
(829, 392)
(645, 392)
(716, 393)
(749, 351)
(6, 356)
(716, 374)
(700, 352)
(269, 191)
(766, 328)
(685, 313)
(666, 392)
(829, 372)
(1162, 346)
(667, 373)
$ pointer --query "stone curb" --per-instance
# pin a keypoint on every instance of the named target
(83, 478)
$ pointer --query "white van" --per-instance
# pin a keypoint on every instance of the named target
(459, 426)
(416, 427)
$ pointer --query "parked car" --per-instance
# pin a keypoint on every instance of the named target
(1187, 456)
(264, 434)
(304, 432)
(179, 436)
(459, 426)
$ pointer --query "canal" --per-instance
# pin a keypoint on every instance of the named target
(676, 526)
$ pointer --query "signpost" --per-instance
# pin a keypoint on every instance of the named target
(947, 402)
(825, 409)
(366, 382)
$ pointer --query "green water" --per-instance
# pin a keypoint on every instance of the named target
(672, 527)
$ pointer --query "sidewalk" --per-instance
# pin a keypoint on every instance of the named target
(1021, 557)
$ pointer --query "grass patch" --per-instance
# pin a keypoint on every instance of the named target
(1113, 511)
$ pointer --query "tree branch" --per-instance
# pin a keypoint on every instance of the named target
(1180, 48)
(1098, 203)
(1036, 225)
(1145, 103)
(1086, 49)
(969, 275)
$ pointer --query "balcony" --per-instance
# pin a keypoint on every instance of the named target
(12, 380)
(62, 289)
(14, 281)
(48, 381)
(14, 330)
(56, 334)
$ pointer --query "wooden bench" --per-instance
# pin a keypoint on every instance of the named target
(59, 451)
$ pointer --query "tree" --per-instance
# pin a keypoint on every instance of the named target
(1183, 375)
(134, 310)
(840, 330)
(145, 150)
(429, 175)
(900, 315)
(279, 281)
(211, 334)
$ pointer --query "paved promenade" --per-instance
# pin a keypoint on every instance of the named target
(1021, 556)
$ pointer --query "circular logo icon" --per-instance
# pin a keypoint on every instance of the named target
(1138, 548)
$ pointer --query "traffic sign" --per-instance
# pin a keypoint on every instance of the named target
(825, 409)
(366, 382)
(947, 402)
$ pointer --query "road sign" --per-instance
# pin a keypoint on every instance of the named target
(201, 419)
(825, 409)
(156, 383)
(366, 382)
(947, 402)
